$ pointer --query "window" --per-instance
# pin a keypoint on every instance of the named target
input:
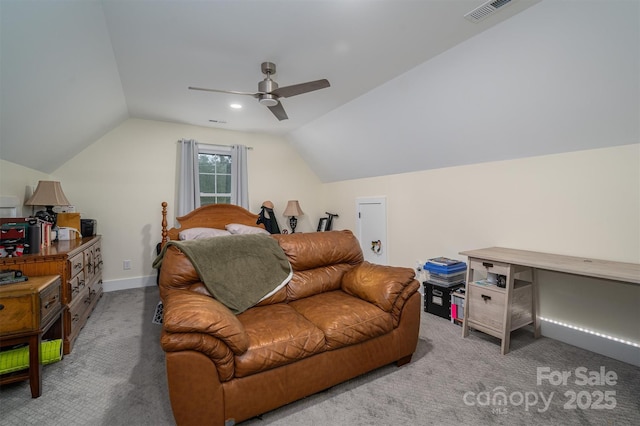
(211, 174)
(214, 171)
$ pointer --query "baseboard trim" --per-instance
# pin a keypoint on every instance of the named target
(128, 283)
(614, 349)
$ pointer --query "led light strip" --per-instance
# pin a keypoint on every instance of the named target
(595, 333)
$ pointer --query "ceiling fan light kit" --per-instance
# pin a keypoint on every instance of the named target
(268, 100)
(269, 93)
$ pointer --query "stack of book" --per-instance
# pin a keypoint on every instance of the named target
(445, 272)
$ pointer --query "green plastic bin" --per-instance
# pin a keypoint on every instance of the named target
(18, 359)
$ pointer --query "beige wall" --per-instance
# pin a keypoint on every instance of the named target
(19, 182)
(121, 180)
(584, 203)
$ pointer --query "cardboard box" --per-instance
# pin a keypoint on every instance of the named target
(69, 220)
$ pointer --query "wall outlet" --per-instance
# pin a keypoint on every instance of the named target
(126, 265)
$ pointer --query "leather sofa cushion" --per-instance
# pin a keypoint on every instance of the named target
(278, 335)
(345, 320)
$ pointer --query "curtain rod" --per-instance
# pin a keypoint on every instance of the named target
(250, 148)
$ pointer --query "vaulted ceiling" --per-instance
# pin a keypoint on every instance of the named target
(73, 70)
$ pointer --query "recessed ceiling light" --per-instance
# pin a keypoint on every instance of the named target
(235, 106)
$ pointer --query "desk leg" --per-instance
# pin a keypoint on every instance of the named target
(35, 368)
(506, 320)
(465, 326)
(535, 298)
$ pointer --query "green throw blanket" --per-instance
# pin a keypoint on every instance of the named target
(238, 270)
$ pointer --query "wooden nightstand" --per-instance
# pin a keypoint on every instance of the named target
(28, 311)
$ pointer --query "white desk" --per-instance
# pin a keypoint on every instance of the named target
(605, 269)
(511, 262)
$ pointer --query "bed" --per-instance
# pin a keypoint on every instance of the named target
(215, 216)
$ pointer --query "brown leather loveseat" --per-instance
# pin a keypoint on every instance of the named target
(337, 318)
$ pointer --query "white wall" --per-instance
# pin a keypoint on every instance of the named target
(585, 203)
(560, 76)
(122, 178)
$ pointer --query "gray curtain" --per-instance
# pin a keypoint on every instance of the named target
(188, 179)
(239, 185)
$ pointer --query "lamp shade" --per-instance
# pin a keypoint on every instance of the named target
(48, 193)
(293, 209)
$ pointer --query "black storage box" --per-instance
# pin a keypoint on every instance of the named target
(437, 299)
(88, 227)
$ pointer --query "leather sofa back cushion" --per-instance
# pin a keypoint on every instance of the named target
(315, 249)
(315, 281)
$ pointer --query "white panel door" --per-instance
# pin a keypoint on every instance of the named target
(372, 228)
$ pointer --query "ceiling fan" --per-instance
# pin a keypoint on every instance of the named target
(269, 93)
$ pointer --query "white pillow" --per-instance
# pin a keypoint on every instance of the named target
(196, 233)
(237, 228)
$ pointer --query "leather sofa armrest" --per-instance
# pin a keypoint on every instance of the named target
(189, 312)
(377, 284)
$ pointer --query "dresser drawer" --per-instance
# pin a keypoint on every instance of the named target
(76, 264)
(97, 258)
(76, 315)
(75, 286)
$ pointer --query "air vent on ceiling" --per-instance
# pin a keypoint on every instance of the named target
(486, 9)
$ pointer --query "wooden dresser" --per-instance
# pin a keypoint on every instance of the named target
(79, 264)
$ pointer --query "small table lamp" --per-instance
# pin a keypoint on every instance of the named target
(293, 209)
(48, 193)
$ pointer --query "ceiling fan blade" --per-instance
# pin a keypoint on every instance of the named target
(298, 89)
(278, 111)
(233, 92)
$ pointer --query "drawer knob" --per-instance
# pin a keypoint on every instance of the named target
(1, 306)
(485, 297)
(487, 264)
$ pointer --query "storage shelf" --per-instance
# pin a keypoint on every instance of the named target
(498, 311)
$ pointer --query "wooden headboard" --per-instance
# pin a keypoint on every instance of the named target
(209, 216)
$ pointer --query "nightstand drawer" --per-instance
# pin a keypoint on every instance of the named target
(17, 314)
(50, 302)
(486, 306)
(27, 306)
(489, 266)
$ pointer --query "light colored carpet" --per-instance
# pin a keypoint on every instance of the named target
(115, 376)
